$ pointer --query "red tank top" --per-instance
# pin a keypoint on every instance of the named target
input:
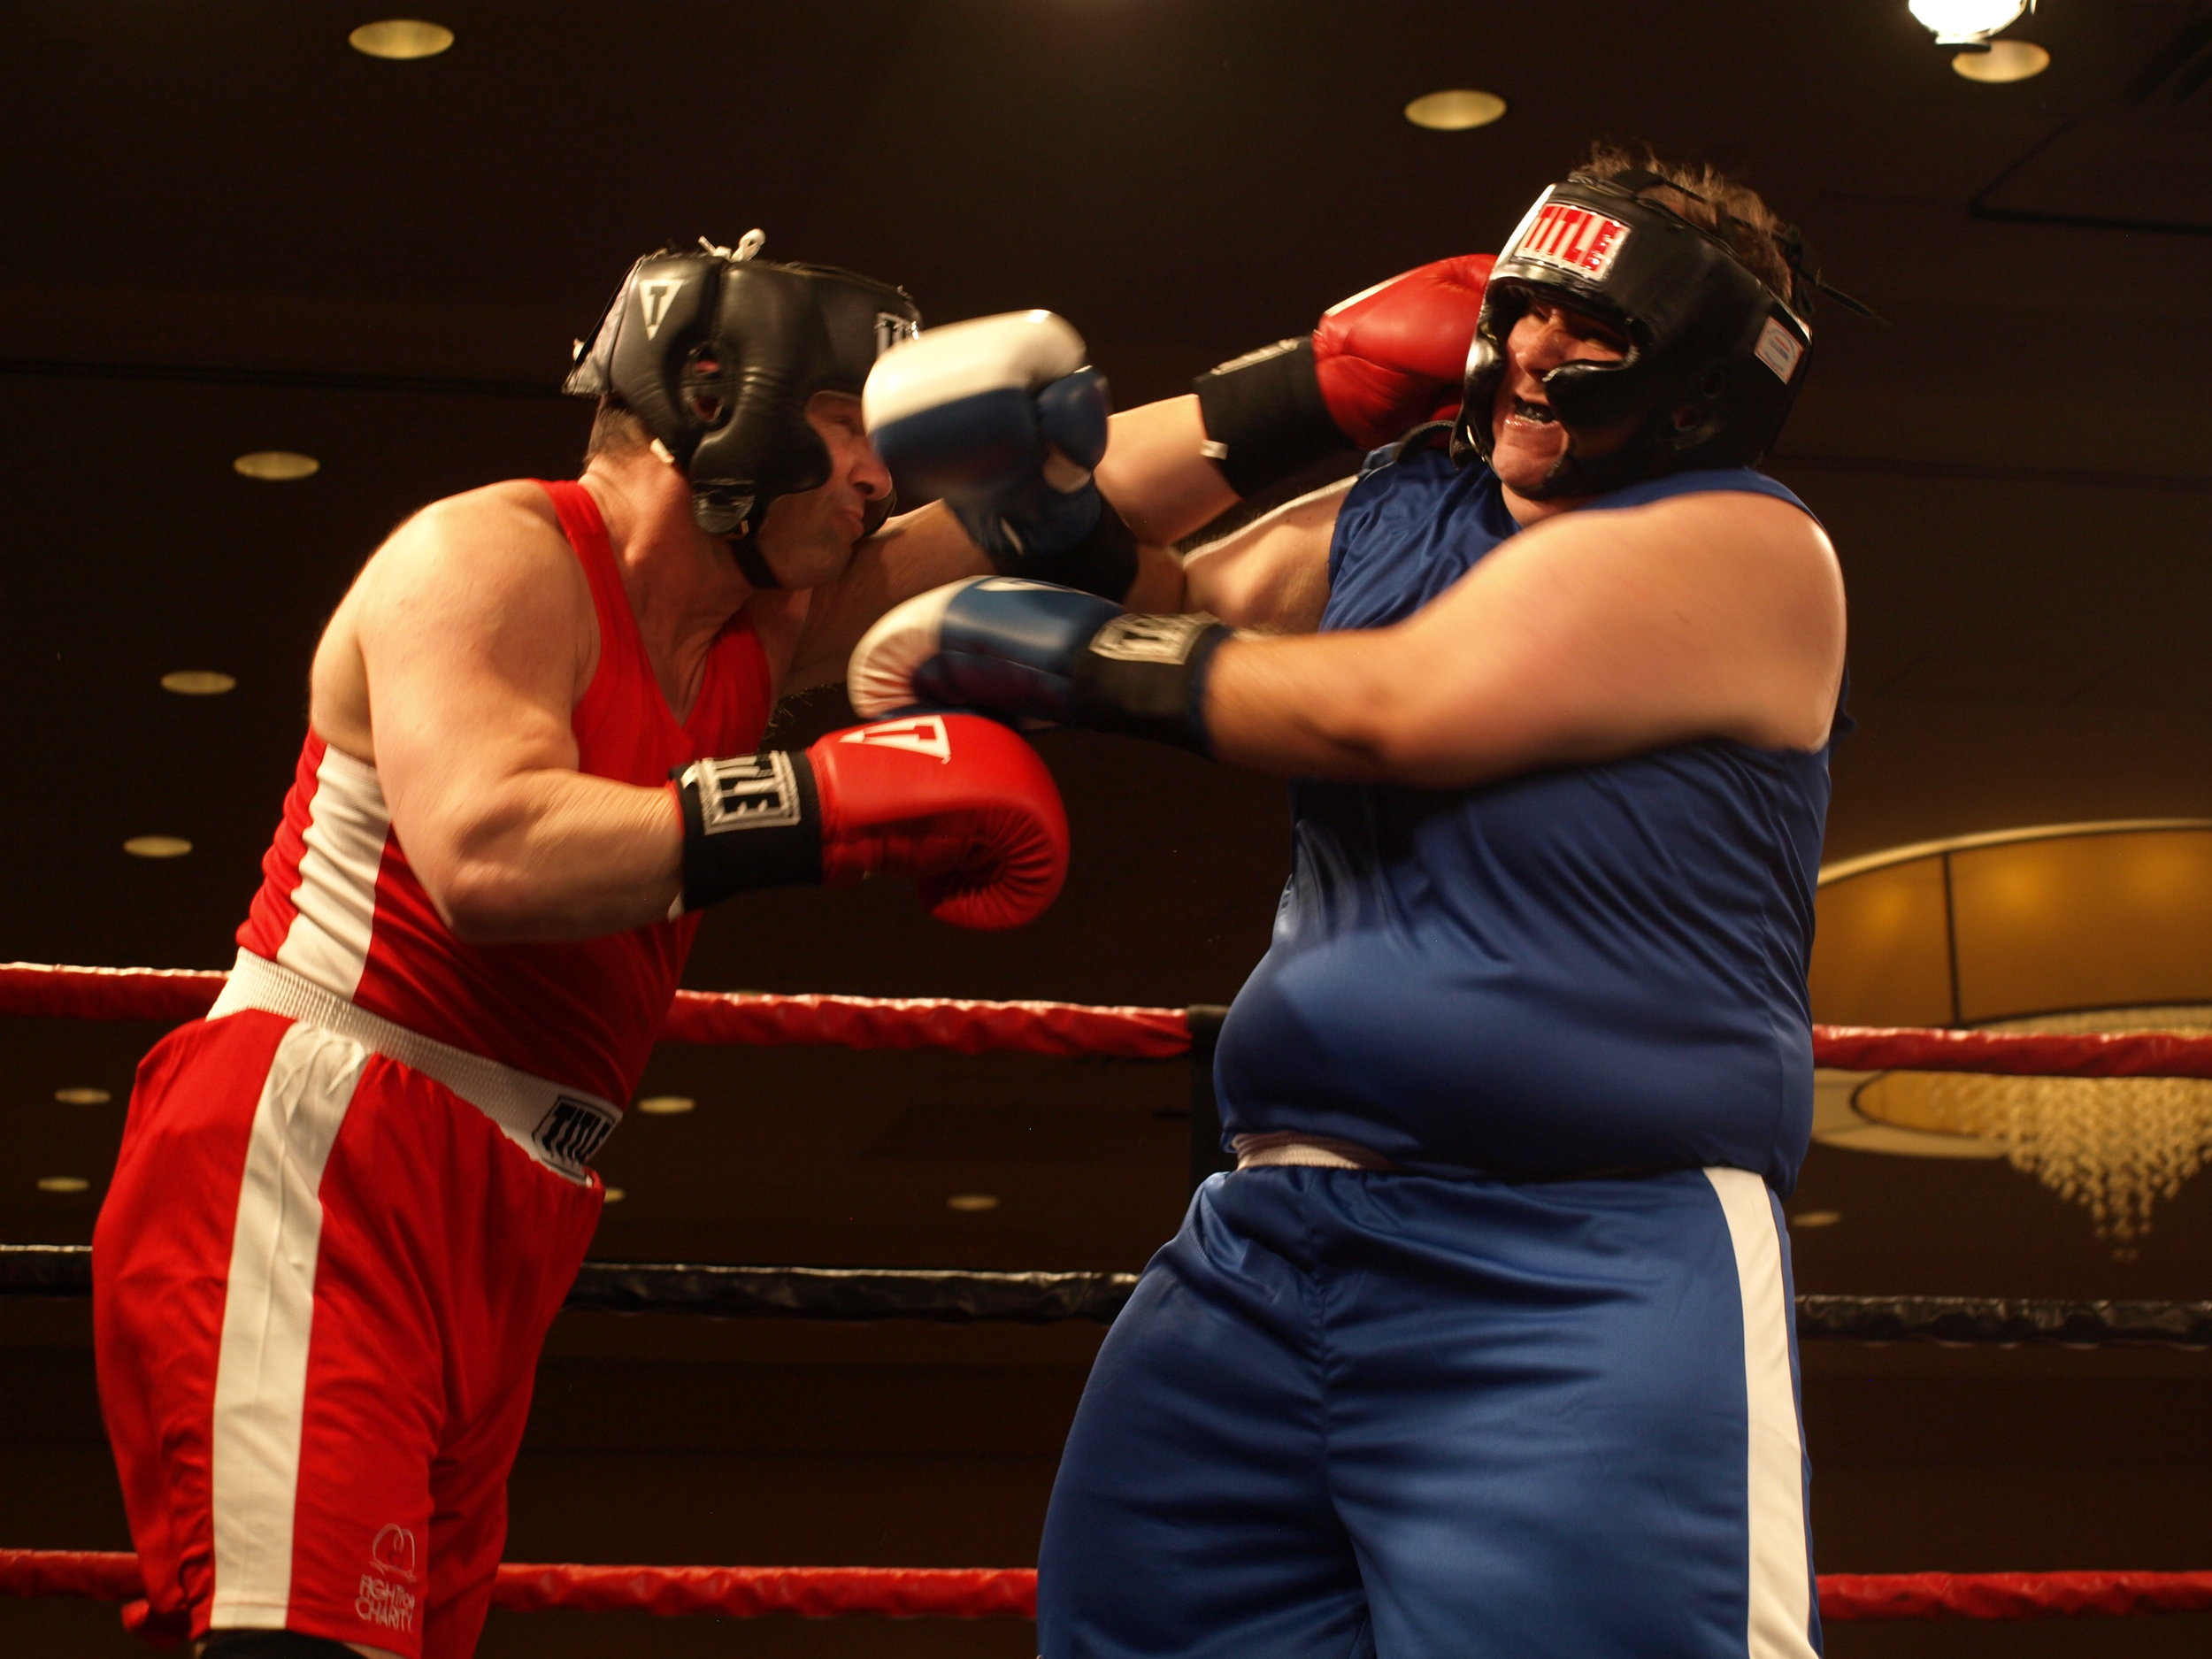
(339, 904)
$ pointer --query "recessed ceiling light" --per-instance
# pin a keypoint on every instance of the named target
(1816, 1218)
(611, 1194)
(198, 683)
(62, 1183)
(666, 1105)
(969, 1204)
(2005, 60)
(1455, 110)
(400, 39)
(157, 847)
(276, 467)
(84, 1096)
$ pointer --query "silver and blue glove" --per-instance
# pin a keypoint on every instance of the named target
(1002, 418)
(1029, 651)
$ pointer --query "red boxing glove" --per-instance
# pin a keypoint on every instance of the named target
(1393, 357)
(955, 799)
(1378, 365)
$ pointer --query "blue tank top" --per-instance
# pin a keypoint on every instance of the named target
(1593, 968)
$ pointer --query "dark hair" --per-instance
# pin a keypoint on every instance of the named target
(1711, 199)
(614, 428)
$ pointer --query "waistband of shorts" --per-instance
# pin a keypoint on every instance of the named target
(1287, 1149)
(560, 1127)
(1290, 1149)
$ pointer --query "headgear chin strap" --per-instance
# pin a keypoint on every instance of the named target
(716, 352)
(1714, 359)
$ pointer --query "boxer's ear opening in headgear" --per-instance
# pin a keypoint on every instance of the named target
(1715, 352)
(715, 353)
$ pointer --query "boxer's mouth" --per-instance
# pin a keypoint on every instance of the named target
(1539, 414)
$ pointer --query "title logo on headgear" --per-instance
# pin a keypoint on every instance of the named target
(1573, 238)
(1780, 349)
(653, 298)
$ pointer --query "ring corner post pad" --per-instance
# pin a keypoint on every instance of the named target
(1206, 1155)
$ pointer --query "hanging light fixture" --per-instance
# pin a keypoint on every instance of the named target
(2078, 927)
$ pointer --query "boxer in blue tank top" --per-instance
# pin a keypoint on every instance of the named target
(1579, 968)
(1485, 1348)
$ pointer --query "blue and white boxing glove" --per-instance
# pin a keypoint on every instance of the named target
(1032, 651)
(1001, 417)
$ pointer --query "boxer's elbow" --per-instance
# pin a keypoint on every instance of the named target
(1398, 721)
(487, 900)
(478, 875)
(1402, 744)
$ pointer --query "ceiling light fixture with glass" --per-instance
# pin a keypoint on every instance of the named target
(1967, 23)
(2068, 928)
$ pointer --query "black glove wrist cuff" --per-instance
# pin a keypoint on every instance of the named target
(1146, 676)
(1265, 416)
(750, 821)
(1104, 562)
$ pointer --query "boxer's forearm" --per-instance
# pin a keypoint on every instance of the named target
(1324, 706)
(914, 553)
(1156, 474)
(549, 854)
(1590, 638)
(1271, 573)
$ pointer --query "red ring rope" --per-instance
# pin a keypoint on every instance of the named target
(2013, 1053)
(1845, 1596)
(760, 1019)
(1011, 1592)
(755, 1019)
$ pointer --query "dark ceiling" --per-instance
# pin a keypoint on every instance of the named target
(226, 231)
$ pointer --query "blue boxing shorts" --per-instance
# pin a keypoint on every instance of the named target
(1350, 1413)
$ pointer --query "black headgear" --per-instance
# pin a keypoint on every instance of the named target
(715, 353)
(1714, 358)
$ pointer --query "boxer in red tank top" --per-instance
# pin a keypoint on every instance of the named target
(349, 1201)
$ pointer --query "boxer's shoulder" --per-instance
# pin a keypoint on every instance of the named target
(488, 571)
(513, 518)
(1722, 528)
(480, 547)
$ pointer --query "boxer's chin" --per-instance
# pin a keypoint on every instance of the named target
(1525, 452)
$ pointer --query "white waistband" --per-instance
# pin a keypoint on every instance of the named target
(1287, 1147)
(561, 1127)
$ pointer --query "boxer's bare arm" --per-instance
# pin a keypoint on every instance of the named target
(912, 554)
(1272, 574)
(1156, 474)
(1590, 636)
(454, 665)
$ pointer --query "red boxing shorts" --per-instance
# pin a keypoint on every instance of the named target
(322, 1279)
